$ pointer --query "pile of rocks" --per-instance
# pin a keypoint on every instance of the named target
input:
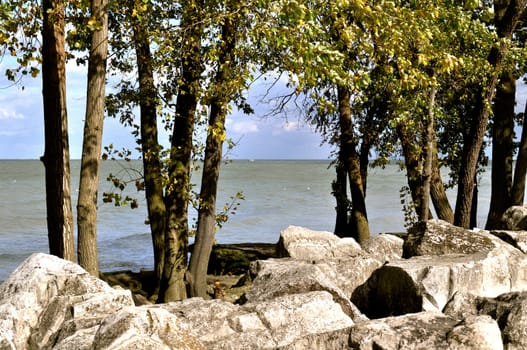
(441, 288)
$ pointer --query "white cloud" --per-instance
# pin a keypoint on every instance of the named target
(243, 127)
(291, 126)
(9, 115)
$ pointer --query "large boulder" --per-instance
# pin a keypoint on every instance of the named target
(339, 277)
(295, 321)
(515, 219)
(143, 328)
(384, 247)
(429, 282)
(304, 244)
(426, 330)
(509, 310)
(38, 296)
(438, 237)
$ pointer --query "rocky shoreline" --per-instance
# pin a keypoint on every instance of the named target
(441, 287)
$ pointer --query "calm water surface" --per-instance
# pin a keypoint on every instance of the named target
(277, 194)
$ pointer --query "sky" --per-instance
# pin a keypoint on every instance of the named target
(258, 137)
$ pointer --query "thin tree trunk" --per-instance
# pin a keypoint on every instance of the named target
(413, 161)
(173, 285)
(502, 149)
(438, 193)
(150, 149)
(350, 159)
(340, 188)
(520, 171)
(211, 167)
(56, 156)
(428, 159)
(474, 207)
(471, 149)
(92, 142)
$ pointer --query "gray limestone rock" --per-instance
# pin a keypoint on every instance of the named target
(30, 299)
(437, 237)
(515, 219)
(305, 244)
(278, 277)
(426, 330)
(510, 311)
(384, 247)
(285, 322)
(429, 282)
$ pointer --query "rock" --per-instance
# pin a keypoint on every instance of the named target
(510, 310)
(484, 266)
(475, 332)
(437, 237)
(384, 247)
(278, 277)
(515, 219)
(429, 282)
(390, 291)
(296, 321)
(67, 315)
(426, 330)
(36, 288)
(304, 244)
(144, 328)
(517, 239)
(461, 305)
(62, 307)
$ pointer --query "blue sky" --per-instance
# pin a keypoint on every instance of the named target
(22, 128)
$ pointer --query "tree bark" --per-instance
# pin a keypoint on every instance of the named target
(340, 192)
(438, 193)
(424, 212)
(211, 167)
(502, 149)
(520, 171)
(350, 159)
(173, 284)
(56, 155)
(413, 161)
(150, 149)
(471, 149)
(92, 141)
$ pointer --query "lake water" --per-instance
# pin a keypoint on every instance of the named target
(277, 194)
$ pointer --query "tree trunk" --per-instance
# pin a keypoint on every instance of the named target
(437, 192)
(150, 149)
(413, 161)
(429, 140)
(502, 149)
(173, 285)
(92, 142)
(56, 156)
(505, 25)
(351, 161)
(211, 167)
(340, 188)
(520, 171)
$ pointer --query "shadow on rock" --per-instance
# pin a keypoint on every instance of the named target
(390, 291)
